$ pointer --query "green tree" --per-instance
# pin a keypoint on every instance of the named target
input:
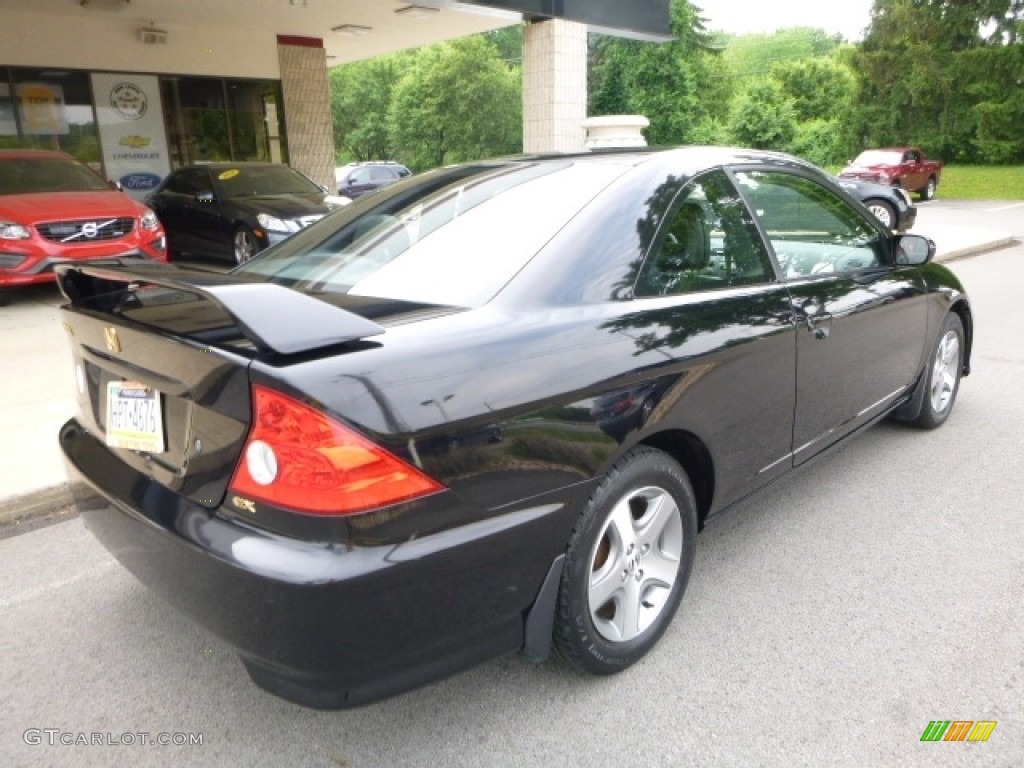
(762, 117)
(818, 88)
(754, 55)
(944, 74)
(360, 100)
(676, 85)
(457, 102)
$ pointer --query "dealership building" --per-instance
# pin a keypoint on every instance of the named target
(136, 88)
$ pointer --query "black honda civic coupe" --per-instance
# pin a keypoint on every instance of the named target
(488, 408)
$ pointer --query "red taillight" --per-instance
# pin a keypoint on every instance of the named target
(298, 458)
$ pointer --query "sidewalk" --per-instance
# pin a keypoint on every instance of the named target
(37, 384)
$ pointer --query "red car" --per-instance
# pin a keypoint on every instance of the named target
(905, 167)
(54, 209)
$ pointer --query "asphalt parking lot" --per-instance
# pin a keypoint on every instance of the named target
(827, 622)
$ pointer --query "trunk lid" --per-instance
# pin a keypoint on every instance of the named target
(162, 357)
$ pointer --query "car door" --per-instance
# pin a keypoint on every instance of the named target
(359, 182)
(708, 299)
(861, 319)
(173, 203)
(210, 226)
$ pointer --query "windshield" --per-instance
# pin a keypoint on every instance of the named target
(452, 237)
(30, 175)
(878, 157)
(254, 181)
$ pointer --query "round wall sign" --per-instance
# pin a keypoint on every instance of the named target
(128, 100)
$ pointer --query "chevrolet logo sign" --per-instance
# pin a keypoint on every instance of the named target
(135, 142)
(113, 342)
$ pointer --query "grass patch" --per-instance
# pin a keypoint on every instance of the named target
(982, 182)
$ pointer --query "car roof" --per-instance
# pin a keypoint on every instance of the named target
(33, 154)
(241, 164)
(688, 160)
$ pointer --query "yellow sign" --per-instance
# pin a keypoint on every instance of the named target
(42, 109)
(229, 174)
(135, 142)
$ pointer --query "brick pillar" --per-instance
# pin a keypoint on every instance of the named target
(554, 86)
(307, 107)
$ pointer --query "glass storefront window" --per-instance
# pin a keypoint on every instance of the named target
(207, 119)
(210, 120)
(49, 109)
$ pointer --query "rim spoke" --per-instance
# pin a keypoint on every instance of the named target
(627, 611)
(620, 522)
(661, 511)
(604, 586)
(661, 568)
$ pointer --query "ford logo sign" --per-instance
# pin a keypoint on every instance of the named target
(140, 181)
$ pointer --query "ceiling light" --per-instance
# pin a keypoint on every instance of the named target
(105, 5)
(351, 30)
(416, 11)
(482, 10)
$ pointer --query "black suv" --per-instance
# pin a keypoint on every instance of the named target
(357, 179)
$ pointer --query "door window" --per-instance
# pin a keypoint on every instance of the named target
(812, 230)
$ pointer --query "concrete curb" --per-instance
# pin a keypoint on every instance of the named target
(34, 504)
(1004, 240)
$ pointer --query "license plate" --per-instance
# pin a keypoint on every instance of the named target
(134, 419)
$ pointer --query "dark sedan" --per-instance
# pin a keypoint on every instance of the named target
(234, 210)
(488, 408)
(890, 205)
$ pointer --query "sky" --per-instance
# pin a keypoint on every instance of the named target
(743, 17)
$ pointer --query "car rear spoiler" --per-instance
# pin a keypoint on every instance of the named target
(274, 318)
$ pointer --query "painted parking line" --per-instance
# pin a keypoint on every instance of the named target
(1005, 208)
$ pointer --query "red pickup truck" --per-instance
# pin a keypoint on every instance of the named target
(905, 167)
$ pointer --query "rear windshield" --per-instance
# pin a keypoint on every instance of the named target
(255, 181)
(29, 175)
(451, 237)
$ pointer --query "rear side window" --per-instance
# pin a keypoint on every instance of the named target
(708, 242)
(454, 244)
(189, 181)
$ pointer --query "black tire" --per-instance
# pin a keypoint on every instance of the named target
(642, 516)
(883, 211)
(244, 244)
(945, 365)
(929, 189)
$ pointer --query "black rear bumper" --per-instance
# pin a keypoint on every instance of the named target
(326, 625)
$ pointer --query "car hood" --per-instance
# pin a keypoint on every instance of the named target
(858, 186)
(51, 206)
(877, 168)
(283, 206)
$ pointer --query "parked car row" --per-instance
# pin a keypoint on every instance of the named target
(53, 208)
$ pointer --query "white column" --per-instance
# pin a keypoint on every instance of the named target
(554, 86)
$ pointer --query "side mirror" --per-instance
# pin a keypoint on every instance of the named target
(914, 250)
(350, 181)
